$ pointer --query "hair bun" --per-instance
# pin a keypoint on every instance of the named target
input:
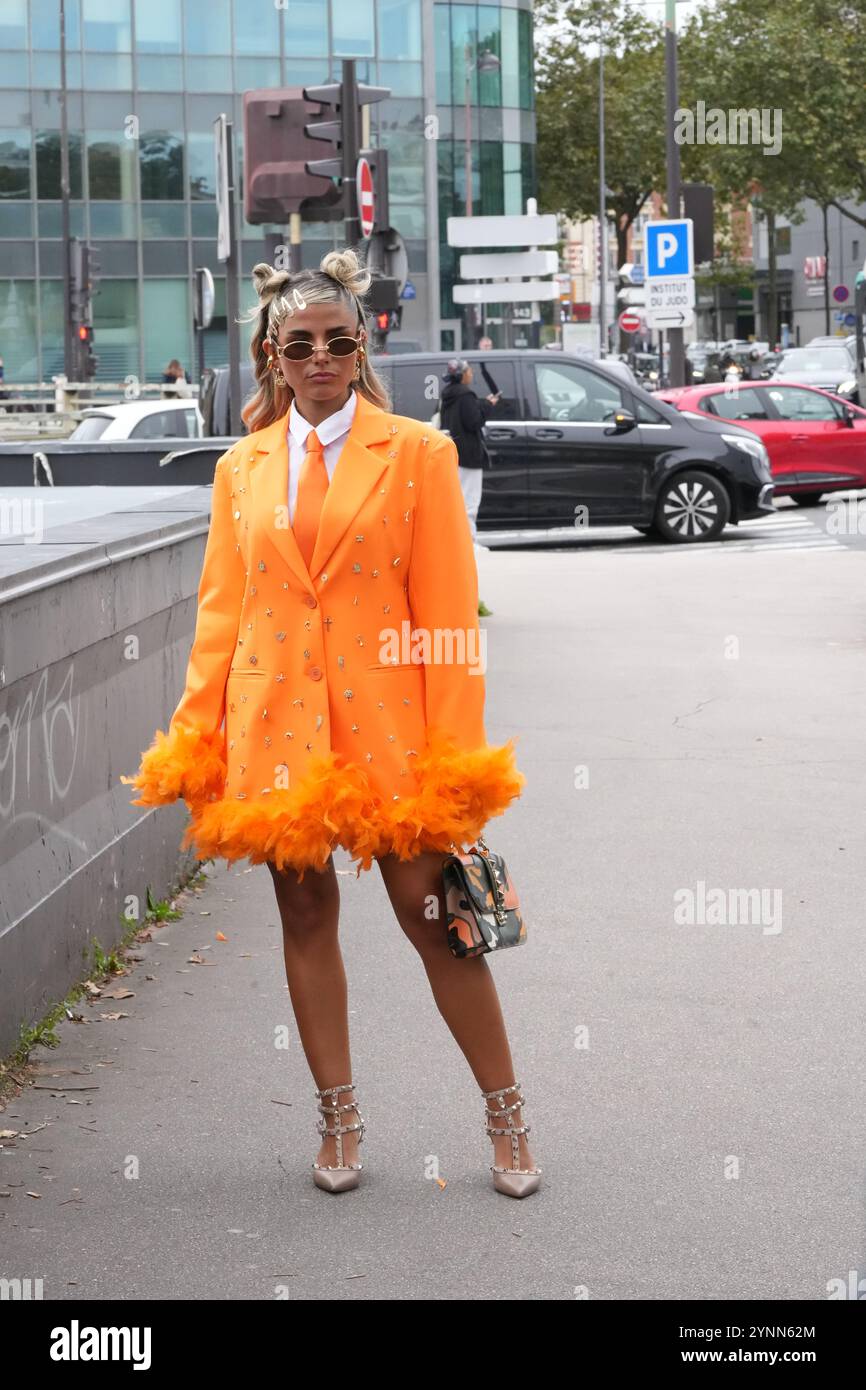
(268, 281)
(346, 268)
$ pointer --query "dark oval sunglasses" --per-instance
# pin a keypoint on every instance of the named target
(299, 351)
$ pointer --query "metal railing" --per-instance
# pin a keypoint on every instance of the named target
(51, 410)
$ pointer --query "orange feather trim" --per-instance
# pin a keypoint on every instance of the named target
(335, 804)
(185, 762)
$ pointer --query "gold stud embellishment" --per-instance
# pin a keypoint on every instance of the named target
(348, 694)
(327, 622)
(396, 561)
(307, 653)
(341, 661)
(281, 676)
(237, 518)
(254, 661)
(320, 719)
(269, 612)
(359, 538)
(425, 439)
(253, 589)
(324, 579)
(386, 608)
(393, 429)
(299, 702)
(267, 740)
(262, 565)
(280, 636)
(356, 568)
(356, 728)
(375, 574)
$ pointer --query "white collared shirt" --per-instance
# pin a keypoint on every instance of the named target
(332, 434)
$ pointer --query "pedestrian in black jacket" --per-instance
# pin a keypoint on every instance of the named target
(463, 415)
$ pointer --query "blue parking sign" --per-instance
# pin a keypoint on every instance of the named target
(669, 249)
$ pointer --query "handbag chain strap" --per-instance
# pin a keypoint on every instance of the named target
(499, 909)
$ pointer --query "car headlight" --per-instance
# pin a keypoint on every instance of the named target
(752, 446)
(849, 385)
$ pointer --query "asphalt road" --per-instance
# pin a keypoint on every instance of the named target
(695, 1087)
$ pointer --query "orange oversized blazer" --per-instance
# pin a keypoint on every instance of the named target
(298, 730)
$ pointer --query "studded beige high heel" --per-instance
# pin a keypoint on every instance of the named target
(514, 1181)
(339, 1176)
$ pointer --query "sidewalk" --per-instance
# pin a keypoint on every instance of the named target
(652, 1054)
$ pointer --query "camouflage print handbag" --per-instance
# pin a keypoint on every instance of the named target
(481, 902)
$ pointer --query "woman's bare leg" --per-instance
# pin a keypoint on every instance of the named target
(464, 990)
(310, 912)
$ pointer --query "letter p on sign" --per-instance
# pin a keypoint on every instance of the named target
(667, 247)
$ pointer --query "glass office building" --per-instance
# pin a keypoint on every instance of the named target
(145, 81)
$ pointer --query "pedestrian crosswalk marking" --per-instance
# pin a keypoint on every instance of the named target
(780, 532)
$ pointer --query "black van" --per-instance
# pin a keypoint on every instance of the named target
(572, 443)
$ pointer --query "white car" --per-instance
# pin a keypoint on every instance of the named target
(164, 419)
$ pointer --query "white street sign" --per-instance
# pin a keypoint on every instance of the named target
(506, 292)
(670, 303)
(635, 298)
(513, 263)
(513, 230)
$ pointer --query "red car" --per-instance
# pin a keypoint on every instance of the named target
(816, 441)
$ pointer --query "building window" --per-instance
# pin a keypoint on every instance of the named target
(305, 30)
(110, 166)
(107, 26)
(161, 163)
(13, 24)
(18, 329)
(353, 28)
(783, 241)
(257, 29)
(400, 29)
(208, 26)
(14, 164)
(48, 164)
(158, 26)
(166, 325)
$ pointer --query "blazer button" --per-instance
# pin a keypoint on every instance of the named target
(310, 601)
(315, 673)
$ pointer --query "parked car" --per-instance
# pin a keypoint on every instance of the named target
(831, 366)
(816, 441)
(140, 420)
(847, 340)
(566, 433)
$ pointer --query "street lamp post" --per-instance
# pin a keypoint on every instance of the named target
(69, 368)
(602, 208)
(484, 62)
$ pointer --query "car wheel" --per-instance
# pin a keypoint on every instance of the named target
(692, 506)
(807, 499)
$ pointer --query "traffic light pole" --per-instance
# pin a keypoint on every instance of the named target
(70, 346)
(677, 371)
(351, 142)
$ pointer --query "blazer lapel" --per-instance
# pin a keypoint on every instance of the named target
(269, 481)
(358, 470)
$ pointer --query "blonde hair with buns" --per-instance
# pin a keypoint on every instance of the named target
(340, 278)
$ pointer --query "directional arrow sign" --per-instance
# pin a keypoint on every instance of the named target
(671, 318)
(670, 303)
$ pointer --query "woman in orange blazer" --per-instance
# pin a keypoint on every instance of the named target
(337, 641)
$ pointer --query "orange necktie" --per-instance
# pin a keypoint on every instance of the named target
(312, 487)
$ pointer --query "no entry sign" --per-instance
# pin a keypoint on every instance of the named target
(629, 322)
(366, 198)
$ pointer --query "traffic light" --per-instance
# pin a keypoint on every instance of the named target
(341, 125)
(87, 358)
(276, 151)
(383, 321)
(91, 269)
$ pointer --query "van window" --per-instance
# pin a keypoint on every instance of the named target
(569, 392)
(418, 385)
(416, 388)
(502, 374)
(163, 424)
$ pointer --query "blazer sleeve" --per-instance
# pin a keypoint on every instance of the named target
(443, 600)
(189, 759)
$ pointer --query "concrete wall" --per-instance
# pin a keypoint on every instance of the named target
(96, 624)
